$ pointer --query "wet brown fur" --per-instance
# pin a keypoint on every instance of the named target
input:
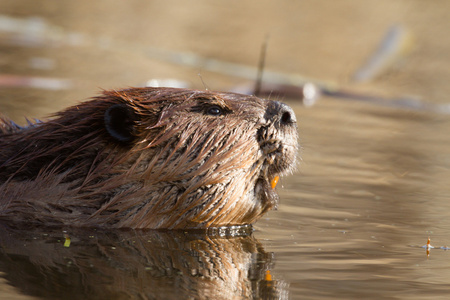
(182, 168)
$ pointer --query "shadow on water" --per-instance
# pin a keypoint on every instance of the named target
(127, 264)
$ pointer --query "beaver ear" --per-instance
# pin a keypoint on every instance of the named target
(120, 122)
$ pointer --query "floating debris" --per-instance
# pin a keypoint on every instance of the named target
(168, 82)
(35, 32)
(67, 241)
(396, 44)
(294, 85)
(309, 93)
(233, 69)
(428, 247)
(7, 80)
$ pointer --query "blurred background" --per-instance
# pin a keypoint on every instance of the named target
(372, 184)
(87, 46)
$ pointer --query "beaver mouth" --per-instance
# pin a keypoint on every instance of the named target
(278, 153)
(278, 159)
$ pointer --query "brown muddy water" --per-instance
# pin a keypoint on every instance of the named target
(372, 184)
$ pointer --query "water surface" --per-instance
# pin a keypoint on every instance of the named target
(372, 180)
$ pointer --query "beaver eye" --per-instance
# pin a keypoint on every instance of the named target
(214, 110)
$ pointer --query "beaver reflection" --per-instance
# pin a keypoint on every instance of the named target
(148, 158)
(135, 265)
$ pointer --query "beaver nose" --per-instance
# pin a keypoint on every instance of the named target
(282, 113)
(287, 115)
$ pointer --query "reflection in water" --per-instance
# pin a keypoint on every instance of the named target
(136, 264)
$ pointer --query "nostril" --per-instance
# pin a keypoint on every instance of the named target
(286, 118)
(286, 115)
(280, 113)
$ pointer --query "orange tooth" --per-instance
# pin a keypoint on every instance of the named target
(268, 276)
(274, 181)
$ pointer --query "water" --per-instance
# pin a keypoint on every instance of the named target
(354, 219)
(372, 182)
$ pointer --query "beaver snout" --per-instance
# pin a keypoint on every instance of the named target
(278, 139)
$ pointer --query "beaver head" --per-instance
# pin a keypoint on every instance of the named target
(149, 158)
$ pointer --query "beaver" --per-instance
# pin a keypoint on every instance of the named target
(156, 158)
